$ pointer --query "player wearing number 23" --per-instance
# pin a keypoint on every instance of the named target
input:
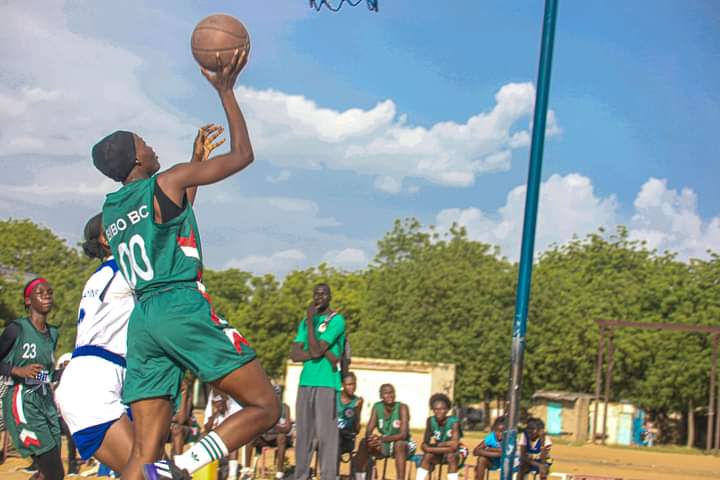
(26, 351)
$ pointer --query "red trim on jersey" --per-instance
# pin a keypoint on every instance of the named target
(16, 414)
(31, 441)
(213, 316)
(187, 241)
(239, 341)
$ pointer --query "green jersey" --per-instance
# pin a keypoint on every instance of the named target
(32, 346)
(388, 425)
(346, 412)
(319, 372)
(443, 433)
(151, 255)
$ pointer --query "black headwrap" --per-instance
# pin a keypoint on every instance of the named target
(114, 155)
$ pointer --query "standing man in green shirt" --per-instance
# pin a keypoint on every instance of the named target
(318, 344)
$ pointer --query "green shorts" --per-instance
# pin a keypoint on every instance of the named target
(174, 330)
(31, 419)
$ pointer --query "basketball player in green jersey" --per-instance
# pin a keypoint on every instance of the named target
(152, 232)
(27, 349)
(392, 420)
(441, 442)
(349, 408)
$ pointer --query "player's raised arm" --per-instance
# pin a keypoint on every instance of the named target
(175, 180)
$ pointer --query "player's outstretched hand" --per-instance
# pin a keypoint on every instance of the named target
(28, 371)
(224, 77)
(205, 143)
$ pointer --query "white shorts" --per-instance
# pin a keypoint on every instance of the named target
(89, 393)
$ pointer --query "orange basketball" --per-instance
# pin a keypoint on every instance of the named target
(221, 34)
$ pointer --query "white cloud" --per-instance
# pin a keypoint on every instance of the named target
(668, 219)
(568, 206)
(282, 176)
(348, 258)
(283, 261)
(292, 131)
(62, 91)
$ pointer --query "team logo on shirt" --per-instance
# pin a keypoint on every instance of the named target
(349, 412)
(396, 423)
(322, 327)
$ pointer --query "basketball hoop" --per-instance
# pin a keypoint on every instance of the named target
(336, 5)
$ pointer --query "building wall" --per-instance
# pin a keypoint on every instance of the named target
(414, 383)
(574, 417)
(619, 424)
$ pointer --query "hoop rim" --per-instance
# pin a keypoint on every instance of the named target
(372, 5)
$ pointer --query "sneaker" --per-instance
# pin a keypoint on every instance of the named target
(32, 468)
(73, 469)
(247, 473)
(163, 470)
(92, 471)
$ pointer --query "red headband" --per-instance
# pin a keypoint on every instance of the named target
(31, 286)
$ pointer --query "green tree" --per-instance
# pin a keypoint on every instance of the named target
(441, 298)
(36, 250)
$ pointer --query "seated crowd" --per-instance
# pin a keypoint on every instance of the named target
(387, 436)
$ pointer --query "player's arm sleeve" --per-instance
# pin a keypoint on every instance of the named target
(334, 330)
(7, 340)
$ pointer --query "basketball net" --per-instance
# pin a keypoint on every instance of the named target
(336, 5)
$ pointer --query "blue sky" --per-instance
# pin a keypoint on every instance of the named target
(359, 118)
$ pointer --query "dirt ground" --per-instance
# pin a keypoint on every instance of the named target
(614, 462)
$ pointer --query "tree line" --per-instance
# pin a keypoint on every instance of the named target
(441, 297)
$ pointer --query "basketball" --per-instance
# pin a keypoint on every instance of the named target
(221, 34)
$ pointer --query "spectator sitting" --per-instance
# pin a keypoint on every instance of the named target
(489, 451)
(441, 442)
(219, 407)
(392, 420)
(349, 407)
(534, 448)
(277, 437)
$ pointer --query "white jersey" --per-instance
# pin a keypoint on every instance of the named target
(105, 308)
(89, 393)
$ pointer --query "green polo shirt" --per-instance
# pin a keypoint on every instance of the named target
(319, 372)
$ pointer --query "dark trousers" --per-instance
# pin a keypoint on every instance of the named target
(316, 424)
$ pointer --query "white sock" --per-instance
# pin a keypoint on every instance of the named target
(279, 475)
(359, 475)
(232, 469)
(209, 448)
(452, 476)
(421, 474)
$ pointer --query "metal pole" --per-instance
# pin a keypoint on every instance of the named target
(598, 382)
(528, 238)
(608, 382)
(711, 402)
(717, 418)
